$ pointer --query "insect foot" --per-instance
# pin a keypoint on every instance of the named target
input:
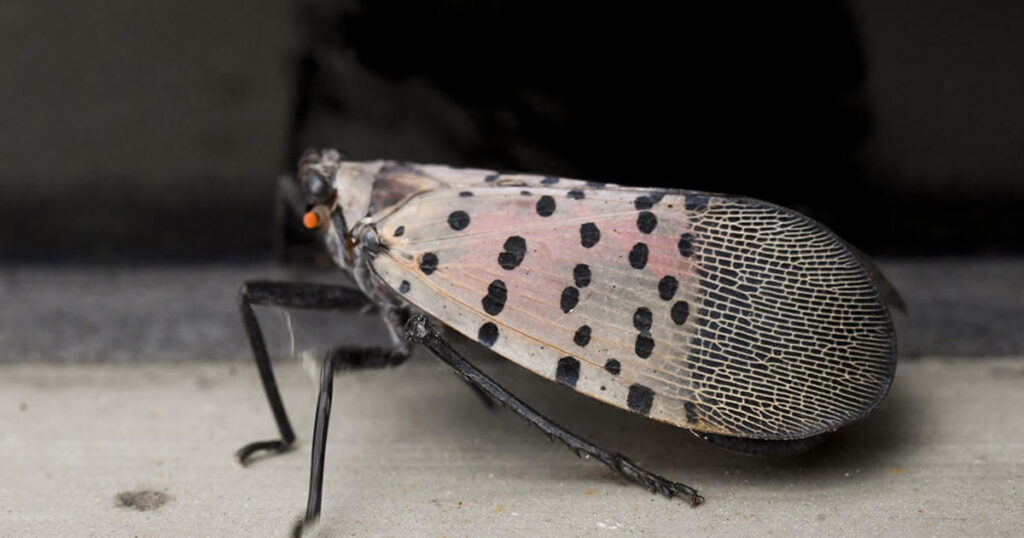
(655, 483)
(302, 525)
(277, 447)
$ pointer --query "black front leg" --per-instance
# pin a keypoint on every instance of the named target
(419, 330)
(310, 296)
(290, 295)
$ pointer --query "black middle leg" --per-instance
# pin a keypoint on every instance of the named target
(419, 330)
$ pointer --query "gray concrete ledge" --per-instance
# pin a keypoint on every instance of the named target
(412, 452)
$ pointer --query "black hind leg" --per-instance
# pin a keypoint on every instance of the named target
(419, 330)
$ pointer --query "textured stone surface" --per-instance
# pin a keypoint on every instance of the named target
(412, 452)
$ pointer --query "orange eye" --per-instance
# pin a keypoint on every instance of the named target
(311, 220)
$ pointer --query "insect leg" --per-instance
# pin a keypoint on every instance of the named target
(292, 295)
(419, 330)
(316, 468)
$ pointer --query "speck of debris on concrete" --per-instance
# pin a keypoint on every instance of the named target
(142, 500)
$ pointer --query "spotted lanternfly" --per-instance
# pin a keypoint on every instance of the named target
(744, 322)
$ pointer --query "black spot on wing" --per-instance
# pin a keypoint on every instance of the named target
(646, 222)
(399, 231)
(582, 336)
(644, 345)
(465, 194)
(550, 180)
(581, 275)
(647, 201)
(488, 334)
(638, 256)
(589, 234)
(667, 287)
(575, 194)
(494, 301)
(691, 412)
(491, 177)
(546, 206)
(403, 287)
(642, 319)
(570, 298)
(686, 245)
(428, 263)
(680, 311)
(458, 220)
(613, 367)
(568, 371)
(515, 252)
(640, 399)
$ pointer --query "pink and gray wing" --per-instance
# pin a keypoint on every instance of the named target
(718, 314)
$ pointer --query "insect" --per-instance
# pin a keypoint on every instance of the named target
(746, 323)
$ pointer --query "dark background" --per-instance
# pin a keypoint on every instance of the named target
(155, 131)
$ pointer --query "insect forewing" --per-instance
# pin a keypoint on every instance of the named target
(714, 313)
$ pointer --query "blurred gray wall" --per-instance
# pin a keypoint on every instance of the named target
(150, 126)
(158, 127)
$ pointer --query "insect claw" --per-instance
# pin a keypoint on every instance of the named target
(696, 500)
(277, 446)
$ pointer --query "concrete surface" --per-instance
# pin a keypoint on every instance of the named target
(413, 453)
